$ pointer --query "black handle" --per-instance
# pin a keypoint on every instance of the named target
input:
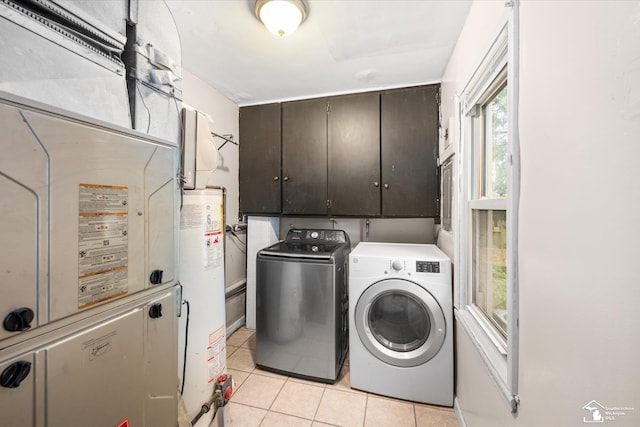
(18, 320)
(155, 311)
(156, 277)
(13, 374)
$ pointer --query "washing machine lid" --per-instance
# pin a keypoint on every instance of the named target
(300, 250)
(400, 322)
(308, 243)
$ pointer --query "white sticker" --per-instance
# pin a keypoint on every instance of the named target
(213, 237)
(98, 347)
(191, 216)
(216, 354)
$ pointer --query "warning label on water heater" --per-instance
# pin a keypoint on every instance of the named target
(217, 354)
(103, 246)
(209, 218)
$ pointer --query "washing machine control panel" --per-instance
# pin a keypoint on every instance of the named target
(404, 266)
(427, 267)
(317, 236)
(397, 265)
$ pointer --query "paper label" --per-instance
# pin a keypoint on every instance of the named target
(216, 354)
(103, 247)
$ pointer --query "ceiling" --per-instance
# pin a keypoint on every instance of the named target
(342, 46)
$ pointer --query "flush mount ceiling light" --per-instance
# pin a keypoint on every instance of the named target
(281, 17)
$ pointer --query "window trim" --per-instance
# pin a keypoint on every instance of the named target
(500, 62)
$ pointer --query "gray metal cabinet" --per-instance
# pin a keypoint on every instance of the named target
(354, 154)
(304, 157)
(117, 366)
(80, 233)
(409, 151)
(260, 159)
(17, 399)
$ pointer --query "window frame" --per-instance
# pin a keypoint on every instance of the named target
(497, 66)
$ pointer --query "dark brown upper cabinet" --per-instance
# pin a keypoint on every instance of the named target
(304, 157)
(370, 154)
(409, 151)
(354, 155)
(259, 150)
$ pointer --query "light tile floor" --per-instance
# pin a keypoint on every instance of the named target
(264, 399)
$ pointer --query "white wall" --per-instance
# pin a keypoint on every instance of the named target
(579, 228)
(224, 112)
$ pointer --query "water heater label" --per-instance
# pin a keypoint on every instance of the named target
(191, 216)
(103, 249)
(216, 354)
(213, 252)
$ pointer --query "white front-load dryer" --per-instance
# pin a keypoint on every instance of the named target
(401, 321)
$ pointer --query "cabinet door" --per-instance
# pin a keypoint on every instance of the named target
(304, 157)
(24, 202)
(260, 132)
(17, 401)
(96, 377)
(409, 143)
(354, 154)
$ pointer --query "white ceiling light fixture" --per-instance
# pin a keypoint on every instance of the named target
(281, 17)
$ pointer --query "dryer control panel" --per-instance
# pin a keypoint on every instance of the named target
(400, 260)
(397, 265)
(427, 267)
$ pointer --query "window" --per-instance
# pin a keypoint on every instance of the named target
(447, 195)
(486, 267)
(489, 277)
(494, 145)
(489, 219)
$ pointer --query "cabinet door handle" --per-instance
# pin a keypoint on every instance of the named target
(376, 184)
(13, 375)
(19, 320)
(286, 178)
(386, 186)
(275, 178)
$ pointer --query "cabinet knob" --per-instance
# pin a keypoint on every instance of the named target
(18, 320)
(386, 186)
(155, 311)
(156, 277)
(286, 178)
(376, 184)
(275, 178)
(13, 375)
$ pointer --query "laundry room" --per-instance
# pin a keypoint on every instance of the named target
(379, 213)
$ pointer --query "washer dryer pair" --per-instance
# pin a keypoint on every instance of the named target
(401, 321)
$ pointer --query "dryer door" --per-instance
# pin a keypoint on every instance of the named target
(400, 322)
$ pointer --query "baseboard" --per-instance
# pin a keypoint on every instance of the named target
(459, 415)
(235, 326)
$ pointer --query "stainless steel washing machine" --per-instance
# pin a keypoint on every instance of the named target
(302, 303)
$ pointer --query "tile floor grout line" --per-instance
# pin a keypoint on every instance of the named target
(315, 414)
(291, 415)
(278, 394)
(366, 405)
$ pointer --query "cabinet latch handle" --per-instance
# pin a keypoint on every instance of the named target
(13, 374)
(18, 320)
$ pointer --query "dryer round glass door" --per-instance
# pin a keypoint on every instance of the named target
(400, 322)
